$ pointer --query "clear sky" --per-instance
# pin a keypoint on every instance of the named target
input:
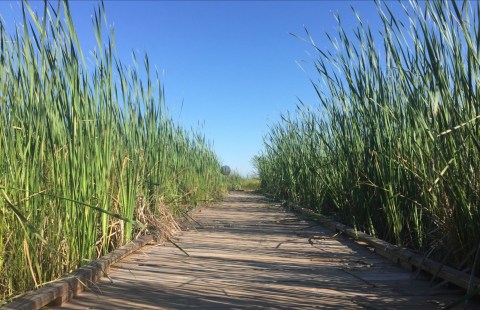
(230, 67)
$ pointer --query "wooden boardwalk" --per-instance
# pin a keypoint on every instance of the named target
(249, 253)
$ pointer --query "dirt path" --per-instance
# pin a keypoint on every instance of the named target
(247, 252)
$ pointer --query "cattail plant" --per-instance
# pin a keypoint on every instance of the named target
(84, 150)
(394, 147)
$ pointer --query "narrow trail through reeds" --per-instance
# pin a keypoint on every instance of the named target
(249, 252)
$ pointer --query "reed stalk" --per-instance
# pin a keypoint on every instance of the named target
(85, 150)
(393, 148)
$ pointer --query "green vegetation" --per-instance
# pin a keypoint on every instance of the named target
(250, 184)
(87, 149)
(236, 182)
(394, 148)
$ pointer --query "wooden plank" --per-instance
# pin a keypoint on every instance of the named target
(246, 252)
(63, 290)
(401, 256)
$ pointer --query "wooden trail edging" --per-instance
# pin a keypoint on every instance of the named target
(247, 252)
(58, 292)
(61, 291)
(404, 257)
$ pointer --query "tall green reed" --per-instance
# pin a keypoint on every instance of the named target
(393, 149)
(84, 150)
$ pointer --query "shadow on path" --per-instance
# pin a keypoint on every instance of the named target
(247, 252)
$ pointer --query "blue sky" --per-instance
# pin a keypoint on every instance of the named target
(229, 67)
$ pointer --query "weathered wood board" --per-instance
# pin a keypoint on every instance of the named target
(247, 253)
